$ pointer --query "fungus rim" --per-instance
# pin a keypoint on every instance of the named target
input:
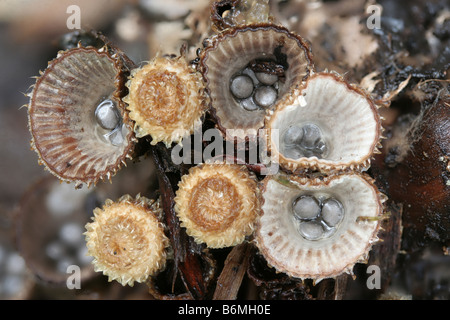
(140, 209)
(279, 262)
(196, 100)
(246, 186)
(120, 65)
(213, 43)
(313, 163)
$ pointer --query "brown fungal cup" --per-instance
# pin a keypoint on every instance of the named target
(78, 122)
(166, 99)
(218, 204)
(126, 239)
(249, 68)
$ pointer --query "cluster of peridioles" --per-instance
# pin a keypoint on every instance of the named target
(328, 132)
(321, 213)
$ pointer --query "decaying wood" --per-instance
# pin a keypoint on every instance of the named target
(191, 260)
(230, 279)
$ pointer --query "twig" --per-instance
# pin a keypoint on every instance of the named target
(230, 279)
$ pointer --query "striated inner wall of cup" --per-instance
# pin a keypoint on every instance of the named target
(348, 124)
(63, 120)
(353, 193)
(233, 55)
(280, 238)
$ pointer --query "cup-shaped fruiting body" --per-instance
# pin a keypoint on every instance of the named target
(127, 239)
(78, 123)
(218, 204)
(329, 125)
(166, 99)
(247, 69)
(314, 228)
